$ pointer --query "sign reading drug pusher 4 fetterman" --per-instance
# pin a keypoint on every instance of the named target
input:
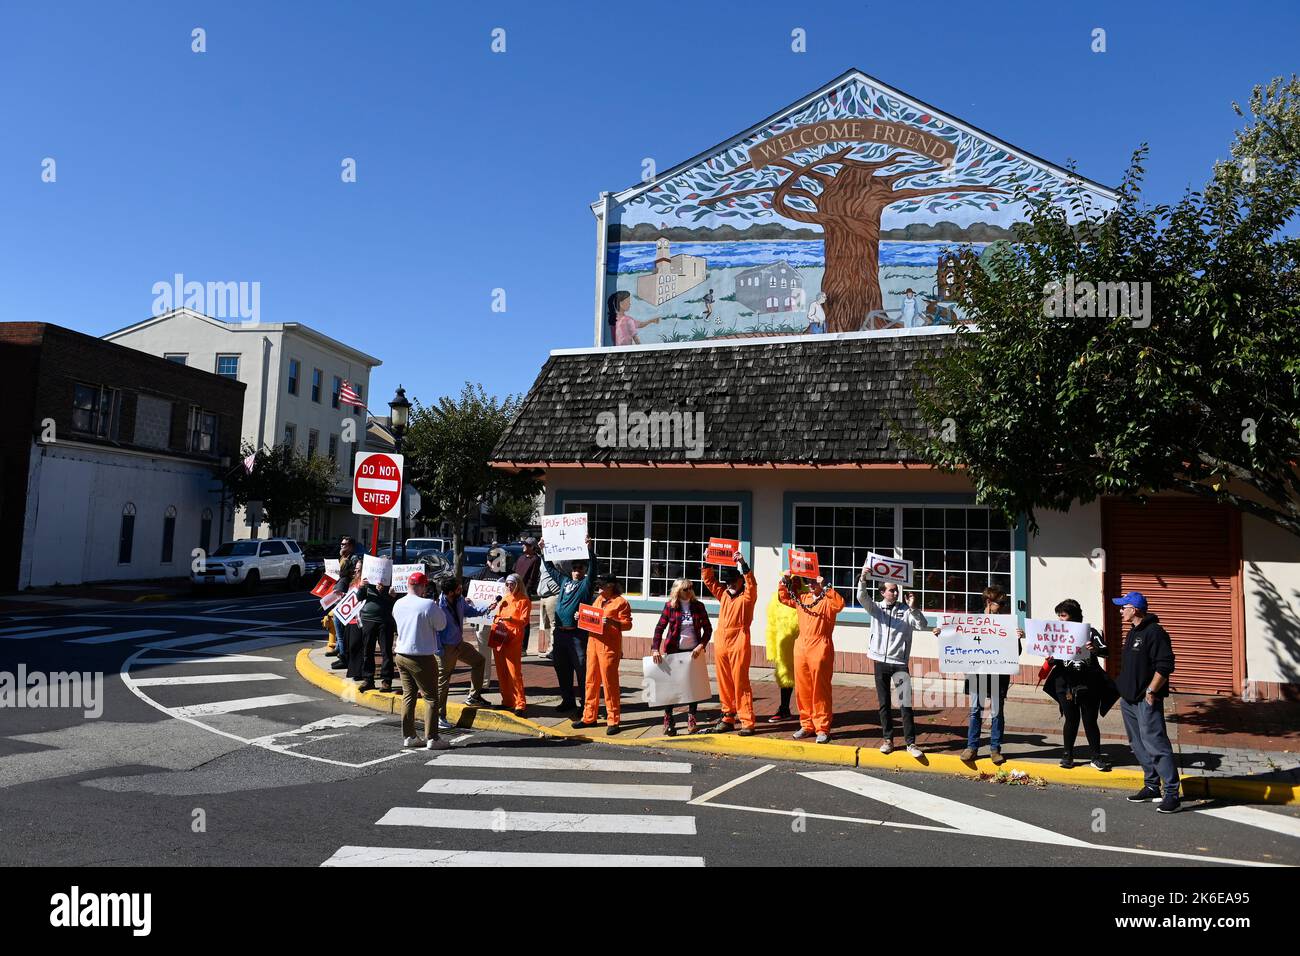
(978, 644)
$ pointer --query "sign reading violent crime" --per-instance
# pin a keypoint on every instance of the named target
(565, 536)
(978, 644)
(377, 485)
(1064, 640)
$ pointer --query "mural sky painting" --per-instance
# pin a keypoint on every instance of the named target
(839, 214)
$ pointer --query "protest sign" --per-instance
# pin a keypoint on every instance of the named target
(377, 569)
(591, 619)
(565, 537)
(722, 551)
(880, 567)
(1064, 640)
(348, 609)
(978, 644)
(482, 594)
(402, 575)
(804, 564)
(677, 679)
(332, 567)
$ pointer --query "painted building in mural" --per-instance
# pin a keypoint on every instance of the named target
(858, 190)
(840, 215)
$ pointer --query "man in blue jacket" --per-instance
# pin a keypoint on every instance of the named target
(569, 641)
(1143, 684)
(453, 648)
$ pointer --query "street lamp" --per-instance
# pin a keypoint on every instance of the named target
(399, 410)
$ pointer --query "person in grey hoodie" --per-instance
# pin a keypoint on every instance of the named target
(892, 625)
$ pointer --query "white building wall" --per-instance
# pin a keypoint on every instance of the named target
(1060, 564)
(1271, 590)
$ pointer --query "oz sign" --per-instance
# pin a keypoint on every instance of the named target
(377, 485)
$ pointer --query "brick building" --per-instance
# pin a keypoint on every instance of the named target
(111, 463)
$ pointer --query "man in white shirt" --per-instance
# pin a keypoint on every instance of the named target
(418, 621)
(889, 647)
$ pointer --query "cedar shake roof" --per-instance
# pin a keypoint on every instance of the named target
(820, 400)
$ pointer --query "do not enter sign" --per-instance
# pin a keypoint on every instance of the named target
(377, 485)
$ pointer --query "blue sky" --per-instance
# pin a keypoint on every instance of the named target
(475, 170)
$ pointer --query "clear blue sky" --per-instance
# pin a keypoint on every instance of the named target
(476, 170)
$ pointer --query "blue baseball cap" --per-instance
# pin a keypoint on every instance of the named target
(1133, 599)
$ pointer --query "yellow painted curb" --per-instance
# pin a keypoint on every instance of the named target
(766, 748)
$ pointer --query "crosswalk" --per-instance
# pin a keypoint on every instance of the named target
(490, 822)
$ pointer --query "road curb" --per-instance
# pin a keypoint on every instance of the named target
(765, 748)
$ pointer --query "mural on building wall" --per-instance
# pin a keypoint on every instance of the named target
(838, 217)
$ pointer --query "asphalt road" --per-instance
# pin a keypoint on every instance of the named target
(211, 751)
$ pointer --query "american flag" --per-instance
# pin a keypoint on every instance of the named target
(348, 395)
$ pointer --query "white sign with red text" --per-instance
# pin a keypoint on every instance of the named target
(881, 567)
(348, 609)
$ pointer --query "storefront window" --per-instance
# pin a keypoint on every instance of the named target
(842, 536)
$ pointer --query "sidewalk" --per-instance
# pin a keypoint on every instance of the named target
(1251, 751)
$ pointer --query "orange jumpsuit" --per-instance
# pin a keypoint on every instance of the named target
(512, 614)
(604, 651)
(814, 655)
(731, 647)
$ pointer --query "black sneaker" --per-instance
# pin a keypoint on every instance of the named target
(1145, 795)
(580, 724)
(564, 709)
(1100, 763)
(612, 730)
(1067, 761)
(338, 665)
(1169, 804)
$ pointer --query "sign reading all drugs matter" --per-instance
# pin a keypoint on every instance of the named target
(1063, 640)
(978, 644)
(565, 537)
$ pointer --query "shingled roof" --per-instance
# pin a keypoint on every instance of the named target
(808, 400)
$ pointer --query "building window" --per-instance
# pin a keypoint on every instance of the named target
(648, 545)
(126, 538)
(169, 534)
(205, 531)
(842, 535)
(313, 442)
(202, 432)
(95, 410)
(334, 451)
(771, 282)
(228, 366)
(290, 436)
(295, 370)
(334, 396)
(317, 376)
(178, 357)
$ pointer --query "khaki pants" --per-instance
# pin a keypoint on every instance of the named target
(419, 674)
(547, 620)
(464, 653)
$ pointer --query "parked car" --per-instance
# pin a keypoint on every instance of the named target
(428, 544)
(252, 561)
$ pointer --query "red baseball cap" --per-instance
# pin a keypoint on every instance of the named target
(417, 577)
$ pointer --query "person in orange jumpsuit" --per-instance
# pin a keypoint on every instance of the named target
(513, 610)
(731, 651)
(814, 655)
(604, 651)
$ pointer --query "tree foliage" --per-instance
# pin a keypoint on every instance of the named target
(290, 485)
(1204, 397)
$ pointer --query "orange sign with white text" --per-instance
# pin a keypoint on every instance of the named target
(591, 619)
(804, 564)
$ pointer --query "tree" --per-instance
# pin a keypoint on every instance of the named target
(511, 515)
(845, 189)
(448, 451)
(289, 485)
(1201, 395)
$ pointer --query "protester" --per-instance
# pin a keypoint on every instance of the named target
(782, 632)
(418, 621)
(604, 651)
(683, 626)
(889, 647)
(1143, 684)
(349, 567)
(570, 653)
(988, 689)
(513, 609)
(374, 631)
(493, 570)
(814, 655)
(548, 593)
(453, 648)
(529, 568)
(1081, 688)
(736, 598)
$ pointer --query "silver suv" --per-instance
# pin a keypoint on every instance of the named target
(252, 561)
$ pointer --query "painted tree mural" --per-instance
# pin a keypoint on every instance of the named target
(845, 187)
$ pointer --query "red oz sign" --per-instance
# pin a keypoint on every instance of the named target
(377, 485)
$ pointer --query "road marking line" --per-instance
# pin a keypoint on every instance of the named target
(508, 822)
(113, 638)
(24, 627)
(253, 645)
(137, 616)
(734, 783)
(506, 762)
(237, 658)
(337, 722)
(462, 738)
(203, 679)
(231, 706)
(1254, 817)
(56, 632)
(402, 856)
(174, 642)
(556, 788)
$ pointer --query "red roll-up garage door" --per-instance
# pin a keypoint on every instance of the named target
(1185, 556)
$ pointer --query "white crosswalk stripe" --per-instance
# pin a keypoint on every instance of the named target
(202, 679)
(47, 632)
(116, 638)
(492, 819)
(232, 706)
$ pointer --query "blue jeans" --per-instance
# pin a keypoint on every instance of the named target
(988, 689)
(570, 661)
(1150, 742)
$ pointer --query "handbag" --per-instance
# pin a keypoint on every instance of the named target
(497, 636)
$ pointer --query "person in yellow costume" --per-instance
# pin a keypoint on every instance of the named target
(782, 629)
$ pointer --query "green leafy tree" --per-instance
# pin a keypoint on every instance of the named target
(1200, 396)
(511, 515)
(448, 450)
(290, 485)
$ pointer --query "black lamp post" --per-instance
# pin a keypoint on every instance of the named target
(400, 411)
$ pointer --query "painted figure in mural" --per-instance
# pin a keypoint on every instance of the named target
(817, 314)
(623, 326)
(708, 305)
(913, 311)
